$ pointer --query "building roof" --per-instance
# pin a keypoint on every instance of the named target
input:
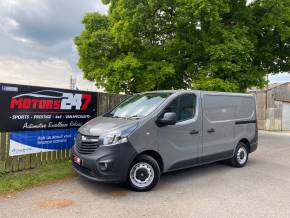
(275, 85)
(269, 87)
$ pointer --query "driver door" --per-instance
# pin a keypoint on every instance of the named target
(180, 145)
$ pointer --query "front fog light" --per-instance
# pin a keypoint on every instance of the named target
(103, 166)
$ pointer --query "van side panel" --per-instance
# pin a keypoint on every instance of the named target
(233, 118)
(218, 123)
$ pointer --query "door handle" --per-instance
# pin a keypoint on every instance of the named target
(193, 132)
(211, 130)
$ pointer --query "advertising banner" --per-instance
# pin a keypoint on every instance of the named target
(25, 108)
(29, 142)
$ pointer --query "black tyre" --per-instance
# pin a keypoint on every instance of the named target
(144, 174)
(241, 156)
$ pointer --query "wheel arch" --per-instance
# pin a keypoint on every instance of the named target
(156, 156)
(247, 143)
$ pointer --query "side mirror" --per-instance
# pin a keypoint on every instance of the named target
(169, 118)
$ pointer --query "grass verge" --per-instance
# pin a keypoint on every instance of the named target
(12, 182)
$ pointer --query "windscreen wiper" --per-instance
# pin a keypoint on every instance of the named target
(135, 117)
(119, 117)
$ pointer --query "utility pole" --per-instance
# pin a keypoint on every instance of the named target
(266, 102)
(267, 91)
(72, 83)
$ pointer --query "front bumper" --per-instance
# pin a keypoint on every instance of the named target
(106, 164)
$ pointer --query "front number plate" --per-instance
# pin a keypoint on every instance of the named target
(77, 160)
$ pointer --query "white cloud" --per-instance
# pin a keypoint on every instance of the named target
(8, 24)
(51, 72)
(47, 22)
(42, 29)
(37, 41)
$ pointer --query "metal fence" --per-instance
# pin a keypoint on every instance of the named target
(106, 102)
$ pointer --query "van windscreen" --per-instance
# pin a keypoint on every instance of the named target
(138, 106)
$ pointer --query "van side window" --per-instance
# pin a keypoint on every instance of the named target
(183, 106)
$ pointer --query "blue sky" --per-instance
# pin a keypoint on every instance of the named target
(280, 78)
(36, 41)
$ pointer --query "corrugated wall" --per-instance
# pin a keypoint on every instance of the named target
(269, 116)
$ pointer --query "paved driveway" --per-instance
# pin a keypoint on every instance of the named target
(261, 189)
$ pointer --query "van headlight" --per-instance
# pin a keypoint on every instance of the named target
(117, 137)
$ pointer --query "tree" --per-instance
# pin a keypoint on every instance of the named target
(225, 45)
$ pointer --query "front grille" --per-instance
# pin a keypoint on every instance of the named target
(86, 144)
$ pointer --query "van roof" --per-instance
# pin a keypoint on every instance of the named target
(187, 91)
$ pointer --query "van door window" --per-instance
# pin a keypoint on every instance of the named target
(183, 106)
(172, 107)
(186, 107)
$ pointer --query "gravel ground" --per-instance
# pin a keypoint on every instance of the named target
(261, 189)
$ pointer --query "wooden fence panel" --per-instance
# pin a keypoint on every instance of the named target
(33, 161)
(21, 162)
(2, 152)
(106, 102)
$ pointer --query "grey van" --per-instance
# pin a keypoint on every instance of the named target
(156, 132)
